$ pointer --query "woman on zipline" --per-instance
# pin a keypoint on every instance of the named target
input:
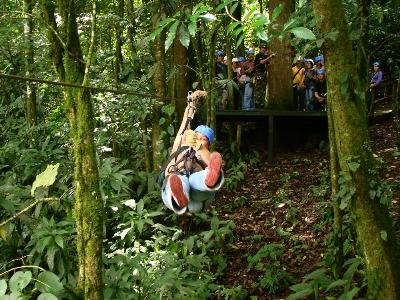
(192, 174)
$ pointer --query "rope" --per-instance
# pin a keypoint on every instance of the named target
(114, 91)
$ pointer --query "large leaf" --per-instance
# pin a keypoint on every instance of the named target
(47, 296)
(184, 36)
(46, 178)
(3, 287)
(277, 11)
(20, 280)
(192, 27)
(339, 282)
(303, 33)
(171, 35)
(48, 282)
(300, 294)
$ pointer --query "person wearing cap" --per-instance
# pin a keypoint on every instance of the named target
(193, 177)
(319, 62)
(221, 73)
(220, 67)
(375, 80)
(320, 89)
(261, 61)
(247, 73)
(297, 83)
(308, 82)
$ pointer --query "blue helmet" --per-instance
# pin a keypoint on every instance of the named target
(318, 58)
(242, 59)
(207, 131)
(219, 53)
(377, 63)
(250, 51)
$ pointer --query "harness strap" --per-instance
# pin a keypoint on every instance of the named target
(174, 156)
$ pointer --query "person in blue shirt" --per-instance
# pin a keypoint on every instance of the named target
(375, 81)
(376, 75)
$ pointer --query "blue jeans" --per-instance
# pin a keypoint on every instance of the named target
(197, 192)
(248, 101)
(309, 98)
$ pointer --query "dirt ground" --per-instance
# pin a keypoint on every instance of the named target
(286, 203)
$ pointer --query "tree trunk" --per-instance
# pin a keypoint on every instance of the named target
(118, 43)
(362, 57)
(372, 222)
(31, 113)
(337, 212)
(88, 209)
(180, 61)
(280, 92)
(159, 87)
(131, 33)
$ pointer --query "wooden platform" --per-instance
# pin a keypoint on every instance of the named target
(271, 117)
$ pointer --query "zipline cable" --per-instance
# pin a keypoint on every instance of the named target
(114, 91)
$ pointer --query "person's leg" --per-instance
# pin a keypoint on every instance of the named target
(211, 178)
(247, 96)
(309, 94)
(248, 101)
(175, 195)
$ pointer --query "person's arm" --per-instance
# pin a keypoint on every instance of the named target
(267, 60)
(189, 112)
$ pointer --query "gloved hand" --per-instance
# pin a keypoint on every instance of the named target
(191, 140)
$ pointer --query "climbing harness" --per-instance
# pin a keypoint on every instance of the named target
(190, 154)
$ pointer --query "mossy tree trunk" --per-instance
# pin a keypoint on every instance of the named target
(131, 33)
(180, 61)
(347, 105)
(88, 209)
(337, 212)
(362, 45)
(118, 43)
(159, 87)
(31, 111)
(280, 92)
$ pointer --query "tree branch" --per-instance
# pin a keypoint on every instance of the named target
(22, 267)
(26, 209)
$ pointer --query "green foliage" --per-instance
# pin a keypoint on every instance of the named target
(46, 178)
(237, 292)
(161, 261)
(321, 282)
(237, 202)
(234, 175)
(51, 243)
(22, 284)
(266, 260)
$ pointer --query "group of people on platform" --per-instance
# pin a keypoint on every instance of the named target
(309, 84)
(250, 75)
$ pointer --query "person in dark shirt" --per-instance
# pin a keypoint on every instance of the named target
(308, 82)
(320, 90)
(221, 73)
(220, 67)
(261, 61)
